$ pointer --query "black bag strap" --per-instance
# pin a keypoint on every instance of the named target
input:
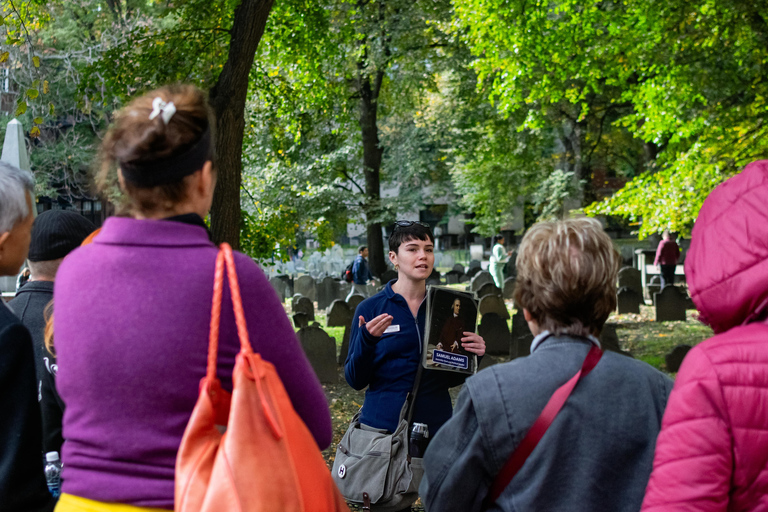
(410, 398)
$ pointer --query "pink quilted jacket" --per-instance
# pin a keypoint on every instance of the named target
(712, 452)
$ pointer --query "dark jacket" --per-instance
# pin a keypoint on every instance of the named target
(596, 455)
(361, 274)
(388, 365)
(22, 482)
(29, 305)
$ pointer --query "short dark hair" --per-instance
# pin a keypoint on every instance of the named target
(402, 234)
(361, 249)
(496, 239)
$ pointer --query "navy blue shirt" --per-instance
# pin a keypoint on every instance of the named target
(388, 365)
(360, 272)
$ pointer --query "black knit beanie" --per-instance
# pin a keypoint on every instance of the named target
(55, 233)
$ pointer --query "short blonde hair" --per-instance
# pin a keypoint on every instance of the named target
(566, 276)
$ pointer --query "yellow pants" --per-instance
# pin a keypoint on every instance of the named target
(70, 503)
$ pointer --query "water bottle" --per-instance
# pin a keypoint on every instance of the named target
(419, 439)
(53, 473)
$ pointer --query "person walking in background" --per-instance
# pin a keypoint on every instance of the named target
(712, 452)
(667, 254)
(22, 482)
(133, 312)
(597, 453)
(55, 234)
(361, 274)
(499, 256)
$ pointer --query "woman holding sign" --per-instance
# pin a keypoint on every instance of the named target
(387, 336)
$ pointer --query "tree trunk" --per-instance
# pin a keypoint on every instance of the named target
(227, 98)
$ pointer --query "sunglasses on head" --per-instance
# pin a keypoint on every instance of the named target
(409, 223)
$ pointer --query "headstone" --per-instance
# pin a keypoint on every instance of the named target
(288, 280)
(495, 332)
(354, 301)
(474, 264)
(15, 146)
(434, 278)
(343, 290)
(472, 272)
(509, 288)
(300, 320)
(447, 260)
(464, 278)
(628, 301)
(480, 279)
(654, 287)
(488, 289)
(326, 292)
(632, 278)
(609, 340)
(488, 360)
(388, 276)
(510, 269)
(675, 358)
(279, 286)
(305, 285)
(304, 305)
(670, 304)
(339, 314)
(492, 304)
(320, 349)
(452, 277)
(344, 350)
(459, 268)
(521, 336)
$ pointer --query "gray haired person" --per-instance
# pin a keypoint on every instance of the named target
(22, 482)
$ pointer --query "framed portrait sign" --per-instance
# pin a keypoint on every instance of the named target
(450, 313)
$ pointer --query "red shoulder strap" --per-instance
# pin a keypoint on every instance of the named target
(540, 426)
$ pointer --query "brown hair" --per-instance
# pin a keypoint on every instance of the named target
(566, 276)
(136, 139)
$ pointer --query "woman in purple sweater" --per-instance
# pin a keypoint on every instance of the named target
(133, 311)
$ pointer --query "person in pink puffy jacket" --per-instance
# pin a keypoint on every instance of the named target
(712, 452)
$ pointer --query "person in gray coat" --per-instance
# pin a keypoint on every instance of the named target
(598, 452)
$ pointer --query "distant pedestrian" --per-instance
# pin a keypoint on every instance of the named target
(499, 256)
(361, 274)
(667, 254)
(22, 482)
(55, 234)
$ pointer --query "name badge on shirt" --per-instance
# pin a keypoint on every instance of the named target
(392, 328)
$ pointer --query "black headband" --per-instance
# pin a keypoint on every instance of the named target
(171, 169)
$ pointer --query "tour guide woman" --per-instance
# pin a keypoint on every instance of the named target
(133, 311)
(386, 340)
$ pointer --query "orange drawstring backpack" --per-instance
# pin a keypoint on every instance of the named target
(267, 459)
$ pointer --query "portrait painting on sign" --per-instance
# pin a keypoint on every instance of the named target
(450, 314)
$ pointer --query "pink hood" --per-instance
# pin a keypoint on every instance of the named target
(726, 267)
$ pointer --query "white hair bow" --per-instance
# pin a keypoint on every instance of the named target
(160, 107)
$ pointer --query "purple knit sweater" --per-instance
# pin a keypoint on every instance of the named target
(131, 333)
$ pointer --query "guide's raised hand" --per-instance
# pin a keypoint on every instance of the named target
(376, 326)
(472, 342)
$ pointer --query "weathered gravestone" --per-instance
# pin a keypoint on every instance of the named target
(495, 332)
(472, 272)
(521, 336)
(475, 264)
(280, 287)
(340, 315)
(675, 358)
(343, 290)
(493, 304)
(630, 277)
(304, 305)
(480, 279)
(452, 277)
(327, 291)
(488, 289)
(388, 276)
(288, 280)
(354, 301)
(321, 352)
(628, 301)
(670, 304)
(305, 285)
(300, 320)
(459, 268)
(609, 340)
(464, 278)
(434, 278)
(510, 269)
(654, 287)
(509, 288)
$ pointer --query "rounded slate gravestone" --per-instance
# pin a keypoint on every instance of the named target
(480, 279)
(339, 314)
(628, 301)
(279, 286)
(300, 320)
(474, 264)
(305, 285)
(321, 352)
(473, 271)
(670, 304)
(509, 288)
(488, 289)
(493, 304)
(327, 290)
(495, 332)
(354, 301)
(459, 268)
(452, 277)
(609, 340)
(434, 278)
(304, 305)
(510, 268)
(521, 336)
(675, 358)
(630, 277)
